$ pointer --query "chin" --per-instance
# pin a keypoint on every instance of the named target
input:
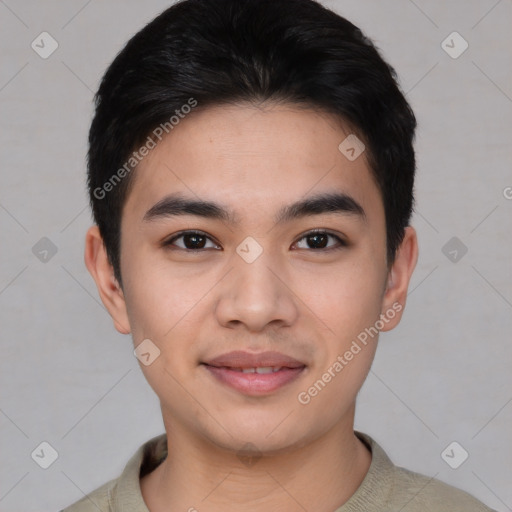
(267, 437)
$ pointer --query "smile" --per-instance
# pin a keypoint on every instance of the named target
(259, 369)
(255, 381)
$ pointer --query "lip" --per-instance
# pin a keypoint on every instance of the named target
(226, 368)
(242, 359)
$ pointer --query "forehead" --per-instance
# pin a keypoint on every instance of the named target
(252, 158)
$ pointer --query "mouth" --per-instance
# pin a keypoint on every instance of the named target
(254, 374)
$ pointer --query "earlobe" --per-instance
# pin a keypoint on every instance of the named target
(398, 279)
(111, 294)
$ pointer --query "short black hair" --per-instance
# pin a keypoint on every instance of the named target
(201, 53)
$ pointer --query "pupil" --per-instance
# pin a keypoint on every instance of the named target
(194, 244)
(316, 237)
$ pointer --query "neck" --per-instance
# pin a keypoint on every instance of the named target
(320, 475)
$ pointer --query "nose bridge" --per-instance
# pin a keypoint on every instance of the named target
(255, 276)
(254, 293)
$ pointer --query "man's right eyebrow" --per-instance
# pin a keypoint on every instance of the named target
(175, 204)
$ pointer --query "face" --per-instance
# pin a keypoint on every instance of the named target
(305, 289)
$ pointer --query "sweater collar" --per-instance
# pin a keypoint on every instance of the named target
(373, 491)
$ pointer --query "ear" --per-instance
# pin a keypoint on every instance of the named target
(111, 294)
(399, 275)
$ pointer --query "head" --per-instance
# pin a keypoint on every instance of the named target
(216, 118)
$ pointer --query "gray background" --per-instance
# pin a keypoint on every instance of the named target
(68, 378)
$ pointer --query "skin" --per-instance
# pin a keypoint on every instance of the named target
(303, 301)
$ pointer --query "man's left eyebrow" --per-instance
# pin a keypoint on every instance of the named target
(320, 204)
(176, 204)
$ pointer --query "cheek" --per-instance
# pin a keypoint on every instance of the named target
(349, 307)
(346, 299)
(158, 296)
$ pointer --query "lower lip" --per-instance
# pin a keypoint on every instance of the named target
(255, 384)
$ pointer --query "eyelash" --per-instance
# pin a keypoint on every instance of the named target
(342, 243)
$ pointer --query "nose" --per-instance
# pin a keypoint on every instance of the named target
(257, 294)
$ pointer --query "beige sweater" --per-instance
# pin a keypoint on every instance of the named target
(385, 488)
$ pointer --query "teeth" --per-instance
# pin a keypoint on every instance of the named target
(262, 369)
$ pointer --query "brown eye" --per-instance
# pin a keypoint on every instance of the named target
(191, 240)
(320, 240)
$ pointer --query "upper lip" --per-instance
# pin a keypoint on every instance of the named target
(242, 359)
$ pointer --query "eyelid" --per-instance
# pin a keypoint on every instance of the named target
(340, 239)
(175, 236)
(324, 231)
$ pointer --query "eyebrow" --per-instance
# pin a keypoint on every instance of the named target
(176, 204)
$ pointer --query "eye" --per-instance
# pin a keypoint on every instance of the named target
(319, 239)
(197, 240)
(192, 240)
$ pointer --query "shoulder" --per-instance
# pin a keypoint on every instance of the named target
(388, 488)
(416, 492)
(98, 500)
(124, 493)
